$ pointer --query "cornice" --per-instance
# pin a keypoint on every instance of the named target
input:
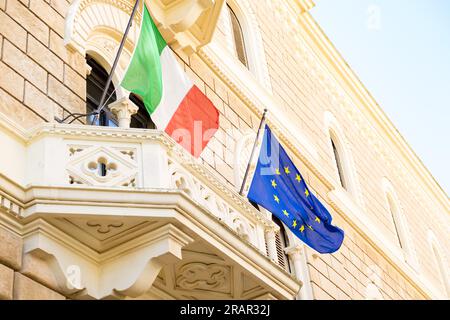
(343, 74)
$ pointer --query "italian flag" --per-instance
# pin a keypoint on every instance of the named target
(174, 103)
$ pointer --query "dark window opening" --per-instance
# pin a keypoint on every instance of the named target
(141, 119)
(238, 36)
(339, 165)
(95, 84)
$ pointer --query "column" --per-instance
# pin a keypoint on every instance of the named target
(123, 109)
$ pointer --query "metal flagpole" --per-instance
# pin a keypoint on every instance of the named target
(116, 60)
(263, 118)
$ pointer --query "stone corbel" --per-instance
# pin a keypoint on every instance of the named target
(131, 273)
(123, 109)
(186, 24)
(40, 263)
(45, 268)
(127, 270)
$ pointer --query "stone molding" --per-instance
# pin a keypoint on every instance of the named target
(185, 24)
(126, 270)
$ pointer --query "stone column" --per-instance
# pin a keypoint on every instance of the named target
(123, 109)
(296, 254)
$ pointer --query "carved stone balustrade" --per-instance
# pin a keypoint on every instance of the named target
(125, 213)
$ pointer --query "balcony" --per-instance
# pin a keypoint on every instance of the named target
(127, 213)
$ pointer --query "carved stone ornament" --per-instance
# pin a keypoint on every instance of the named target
(204, 277)
(104, 227)
(101, 165)
(127, 270)
(184, 24)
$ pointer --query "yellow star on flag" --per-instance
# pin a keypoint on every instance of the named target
(275, 197)
(306, 192)
(286, 169)
(277, 171)
(311, 228)
(317, 220)
(298, 178)
(302, 228)
(285, 213)
(274, 184)
(294, 223)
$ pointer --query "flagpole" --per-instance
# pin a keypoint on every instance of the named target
(116, 60)
(263, 118)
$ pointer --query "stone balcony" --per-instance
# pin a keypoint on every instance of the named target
(112, 212)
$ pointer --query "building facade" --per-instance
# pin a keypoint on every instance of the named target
(119, 210)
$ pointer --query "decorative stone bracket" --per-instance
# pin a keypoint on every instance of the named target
(126, 270)
(186, 24)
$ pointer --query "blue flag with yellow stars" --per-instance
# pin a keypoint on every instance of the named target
(279, 187)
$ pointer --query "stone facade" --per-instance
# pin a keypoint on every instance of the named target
(312, 96)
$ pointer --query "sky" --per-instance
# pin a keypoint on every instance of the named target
(400, 50)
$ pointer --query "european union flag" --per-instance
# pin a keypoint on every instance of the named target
(279, 187)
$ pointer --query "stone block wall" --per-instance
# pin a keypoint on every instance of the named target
(13, 284)
(41, 78)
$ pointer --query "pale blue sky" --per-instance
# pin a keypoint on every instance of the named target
(400, 49)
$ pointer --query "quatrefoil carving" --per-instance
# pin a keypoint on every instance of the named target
(102, 165)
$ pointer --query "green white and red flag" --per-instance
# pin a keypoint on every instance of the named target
(174, 103)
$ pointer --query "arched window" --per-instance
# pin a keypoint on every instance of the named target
(396, 220)
(338, 161)
(440, 262)
(238, 37)
(342, 159)
(400, 225)
(95, 84)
